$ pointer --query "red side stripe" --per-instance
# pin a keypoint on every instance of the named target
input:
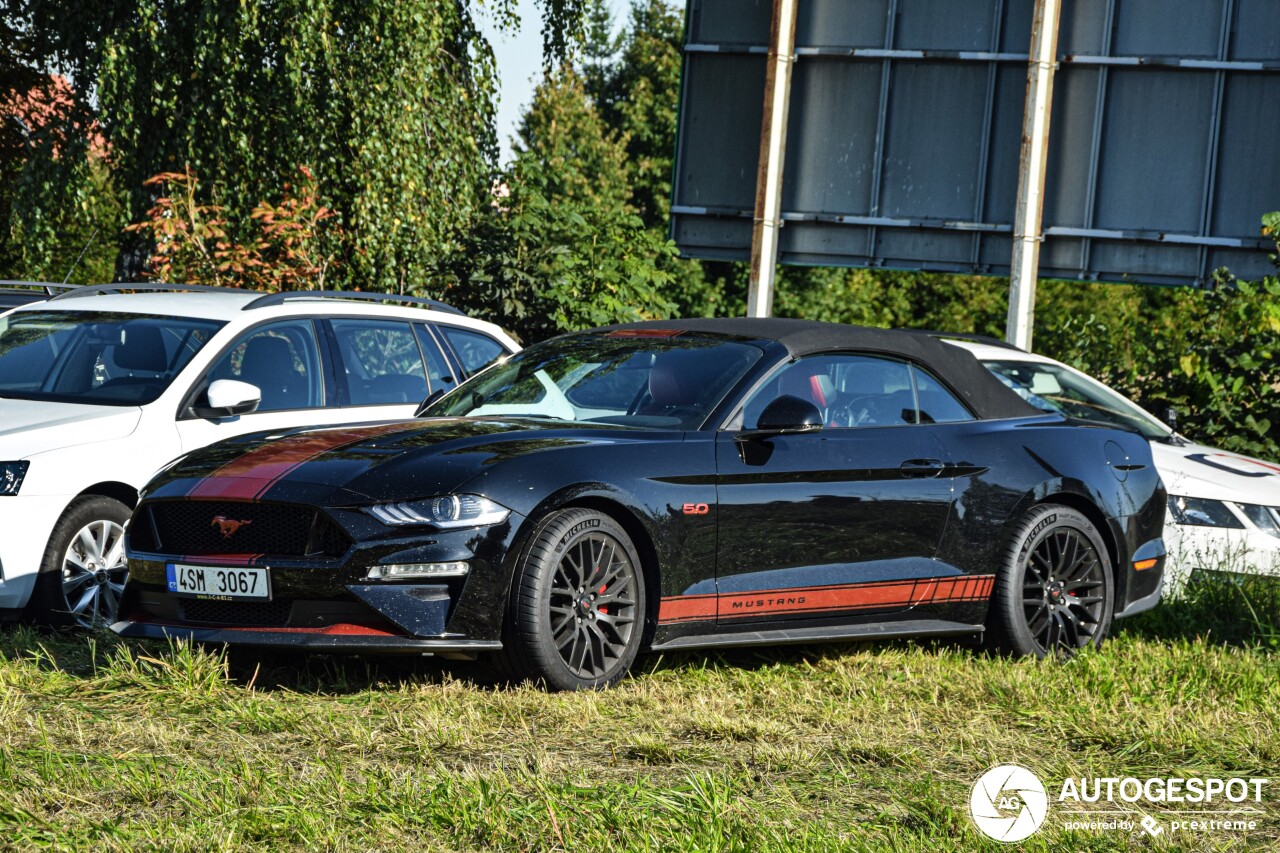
(248, 477)
(826, 599)
(687, 608)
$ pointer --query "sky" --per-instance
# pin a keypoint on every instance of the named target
(520, 65)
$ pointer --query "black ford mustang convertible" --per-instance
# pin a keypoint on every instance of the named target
(668, 485)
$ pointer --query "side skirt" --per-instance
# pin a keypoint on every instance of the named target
(783, 636)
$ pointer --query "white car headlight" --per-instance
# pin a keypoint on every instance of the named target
(1202, 512)
(447, 512)
(11, 477)
(1265, 518)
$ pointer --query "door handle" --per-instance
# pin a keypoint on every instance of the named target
(921, 467)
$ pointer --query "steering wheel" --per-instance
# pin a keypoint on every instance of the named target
(858, 411)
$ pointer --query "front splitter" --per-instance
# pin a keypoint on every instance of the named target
(333, 639)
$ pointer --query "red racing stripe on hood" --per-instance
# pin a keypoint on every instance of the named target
(249, 476)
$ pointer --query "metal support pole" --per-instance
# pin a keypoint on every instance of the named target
(1027, 233)
(773, 152)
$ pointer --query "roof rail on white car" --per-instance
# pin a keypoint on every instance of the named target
(972, 338)
(362, 296)
(263, 301)
(120, 287)
(48, 287)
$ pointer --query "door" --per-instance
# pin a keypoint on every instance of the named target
(385, 369)
(842, 521)
(283, 360)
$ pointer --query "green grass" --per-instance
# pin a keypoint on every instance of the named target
(112, 746)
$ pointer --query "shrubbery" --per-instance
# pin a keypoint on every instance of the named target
(1213, 355)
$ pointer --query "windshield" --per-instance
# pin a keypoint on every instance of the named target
(95, 357)
(1055, 388)
(671, 381)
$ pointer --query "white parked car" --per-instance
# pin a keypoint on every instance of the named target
(100, 388)
(1224, 508)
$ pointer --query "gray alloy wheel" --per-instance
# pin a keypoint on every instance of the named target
(84, 568)
(577, 604)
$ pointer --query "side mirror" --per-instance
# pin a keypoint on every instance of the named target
(227, 398)
(426, 404)
(786, 415)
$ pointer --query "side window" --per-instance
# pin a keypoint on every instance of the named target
(382, 362)
(937, 404)
(282, 360)
(476, 351)
(860, 391)
(439, 373)
(849, 390)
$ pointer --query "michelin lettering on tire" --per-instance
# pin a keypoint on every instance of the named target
(1008, 803)
(1035, 531)
(575, 530)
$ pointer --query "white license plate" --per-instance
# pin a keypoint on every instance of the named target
(219, 582)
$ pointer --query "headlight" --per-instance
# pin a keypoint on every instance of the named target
(11, 476)
(448, 512)
(1265, 518)
(1202, 512)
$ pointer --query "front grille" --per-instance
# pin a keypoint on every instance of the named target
(195, 528)
(262, 614)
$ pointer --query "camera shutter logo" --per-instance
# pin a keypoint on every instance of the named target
(1008, 803)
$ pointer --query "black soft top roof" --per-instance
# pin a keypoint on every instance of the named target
(986, 395)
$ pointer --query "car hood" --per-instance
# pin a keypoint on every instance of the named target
(354, 464)
(29, 427)
(1196, 470)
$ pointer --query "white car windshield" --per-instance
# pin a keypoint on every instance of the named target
(1054, 388)
(95, 357)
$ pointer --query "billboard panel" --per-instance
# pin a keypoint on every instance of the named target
(905, 129)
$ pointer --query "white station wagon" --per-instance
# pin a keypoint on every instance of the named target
(99, 388)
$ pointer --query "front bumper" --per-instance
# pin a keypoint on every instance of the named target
(332, 639)
(331, 604)
(26, 521)
(1219, 549)
(1142, 586)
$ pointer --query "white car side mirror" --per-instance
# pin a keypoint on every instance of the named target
(228, 398)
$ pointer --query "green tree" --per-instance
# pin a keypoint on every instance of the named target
(893, 299)
(389, 104)
(633, 80)
(58, 211)
(582, 158)
(1212, 354)
(559, 247)
(636, 94)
